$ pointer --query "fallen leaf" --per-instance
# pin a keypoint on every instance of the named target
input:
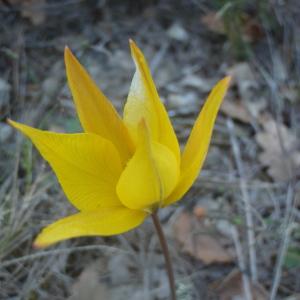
(191, 234)
(280, 149)
(34, 10)
(231, 288)
(236, 110)
(251, 29)
(214, 22)
(199, 211)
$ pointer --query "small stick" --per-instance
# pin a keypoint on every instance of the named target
(41, 254)
(165, 251)
(241, 263)
(246, 200)
(288, 227)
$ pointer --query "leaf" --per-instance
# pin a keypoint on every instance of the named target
(280, 152)
(34, 10)
(195, 240)
(214, 22)
(231, 287)
(236, 110)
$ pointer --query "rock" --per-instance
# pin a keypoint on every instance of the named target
(177, 32)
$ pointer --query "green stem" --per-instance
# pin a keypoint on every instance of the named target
(165, 250)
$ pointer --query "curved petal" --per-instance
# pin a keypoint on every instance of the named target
(96, 113)
(87, 166)
(197, 145)
(103, 222)
(143, 103)
(150, 175)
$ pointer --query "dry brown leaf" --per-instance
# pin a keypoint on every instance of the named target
(243, 111)
(236, 110)
(281, 162)
(189, 232)
(231, 288)
(213, 21)
(199, 211)
(34, 10)
(251, 29)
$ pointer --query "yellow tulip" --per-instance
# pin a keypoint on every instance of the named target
(120, 170)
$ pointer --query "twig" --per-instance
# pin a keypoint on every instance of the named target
(57, 252)
(165, 250)
(246, 200)
(241, 263)
(288, 226)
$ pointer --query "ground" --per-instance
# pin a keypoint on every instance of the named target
(235, 235)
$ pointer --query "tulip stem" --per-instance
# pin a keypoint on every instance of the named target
(165, 250)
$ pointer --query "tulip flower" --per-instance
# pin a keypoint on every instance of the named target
(121, 169)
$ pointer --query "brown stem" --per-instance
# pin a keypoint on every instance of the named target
(165, 251)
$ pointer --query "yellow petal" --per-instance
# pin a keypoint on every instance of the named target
(103, 222)
(96, 113)
(143, 103)
(197, 145)
(87, 166)
(150, 175)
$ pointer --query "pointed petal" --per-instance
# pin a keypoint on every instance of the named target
(143, 103)
(103, 222)
(87, 166)
(96, 113)
(150, 175)
(197, 145)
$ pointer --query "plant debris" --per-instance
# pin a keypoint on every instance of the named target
(197, 240)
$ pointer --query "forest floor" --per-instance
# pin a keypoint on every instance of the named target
(236, 234)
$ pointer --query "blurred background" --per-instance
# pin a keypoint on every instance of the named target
(236, 234)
